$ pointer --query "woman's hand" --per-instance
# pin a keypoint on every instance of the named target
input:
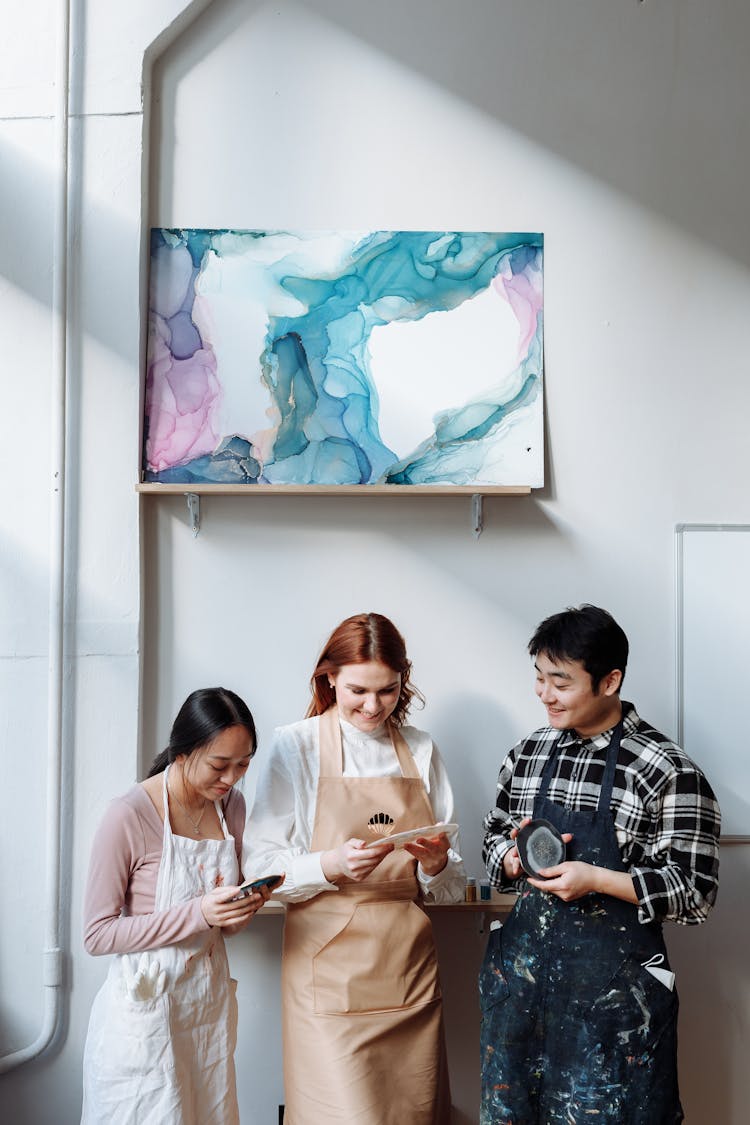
(219, 910)
(432, 852)
(355, 859)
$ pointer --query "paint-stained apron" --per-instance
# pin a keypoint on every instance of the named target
(170, 1060)
(574, 1028)
(362, 1016)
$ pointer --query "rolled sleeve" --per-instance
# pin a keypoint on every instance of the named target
(494, 851)
(677, 880)
(498, 825)
(449, 885)
(304, 877)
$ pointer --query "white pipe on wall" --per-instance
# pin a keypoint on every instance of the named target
(53, 954)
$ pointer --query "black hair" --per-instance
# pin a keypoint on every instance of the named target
(588, 634)
(204, 714)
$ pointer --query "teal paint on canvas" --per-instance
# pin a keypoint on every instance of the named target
(382, 357)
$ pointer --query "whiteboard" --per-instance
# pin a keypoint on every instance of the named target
(713, 656)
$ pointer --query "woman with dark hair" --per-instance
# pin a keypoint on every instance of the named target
(164, 873)
(362, 1018)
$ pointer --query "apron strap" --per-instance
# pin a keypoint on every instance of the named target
(605, 793)
(605, 790)
(167, 852)
(549, 767)
(165, 799)
(403, 753)
(219, 806)
(332, 749)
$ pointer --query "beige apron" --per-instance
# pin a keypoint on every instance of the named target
(362, 1017)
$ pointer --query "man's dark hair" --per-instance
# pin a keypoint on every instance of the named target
(588, 634)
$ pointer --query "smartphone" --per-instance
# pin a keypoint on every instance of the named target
(246, 889)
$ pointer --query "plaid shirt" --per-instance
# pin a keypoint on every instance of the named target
(666, 816)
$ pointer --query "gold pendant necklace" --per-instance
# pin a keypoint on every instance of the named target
(195, 823)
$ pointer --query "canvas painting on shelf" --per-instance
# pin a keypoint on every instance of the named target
(344, 358)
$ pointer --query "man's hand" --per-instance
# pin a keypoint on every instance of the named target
(573, 880)
(569, 880)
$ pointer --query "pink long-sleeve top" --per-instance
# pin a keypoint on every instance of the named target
(118, 913)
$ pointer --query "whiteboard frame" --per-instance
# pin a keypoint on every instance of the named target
(681, 529)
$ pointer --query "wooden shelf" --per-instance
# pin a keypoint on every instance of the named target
(501, 904)
(194, 492)
(333, 489)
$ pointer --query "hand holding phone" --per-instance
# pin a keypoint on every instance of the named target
(270, 881)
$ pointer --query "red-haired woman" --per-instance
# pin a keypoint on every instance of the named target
(362, 1020)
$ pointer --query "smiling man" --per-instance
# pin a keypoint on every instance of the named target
(579, 1009)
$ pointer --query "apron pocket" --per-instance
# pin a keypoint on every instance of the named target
(627, 1046)
(382, 959)
(632, 1012)
(129, 1039)
(510, 990)
(493, 983)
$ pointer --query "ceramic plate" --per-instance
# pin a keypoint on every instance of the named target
(539, 845)
(399, 838)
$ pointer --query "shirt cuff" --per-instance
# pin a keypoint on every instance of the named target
(304, 879)
(496, 871)
(657, 899)
(448, 886)
(432, 882)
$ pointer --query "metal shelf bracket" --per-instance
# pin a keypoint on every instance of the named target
(194, 510)
(477, 514)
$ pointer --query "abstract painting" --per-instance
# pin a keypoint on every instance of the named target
(344, 358)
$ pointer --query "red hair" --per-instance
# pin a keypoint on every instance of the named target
(359, 639)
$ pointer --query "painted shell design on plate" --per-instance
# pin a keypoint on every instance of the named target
(381, 824)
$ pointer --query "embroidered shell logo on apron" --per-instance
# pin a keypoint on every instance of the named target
(381, 824)
(362, 1018)
(170, 1060)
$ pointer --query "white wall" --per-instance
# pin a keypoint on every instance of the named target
(617, 129)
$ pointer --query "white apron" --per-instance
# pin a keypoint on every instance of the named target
(170, 1060)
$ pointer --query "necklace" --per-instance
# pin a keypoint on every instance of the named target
(195, 823)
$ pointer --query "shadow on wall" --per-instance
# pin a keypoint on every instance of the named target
(428, 541)
(621, 91)
(477, 749)
(660, 118)
(526, 64)
(463, 936)
(27, 246)
(714, 1002)
(448, 580)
